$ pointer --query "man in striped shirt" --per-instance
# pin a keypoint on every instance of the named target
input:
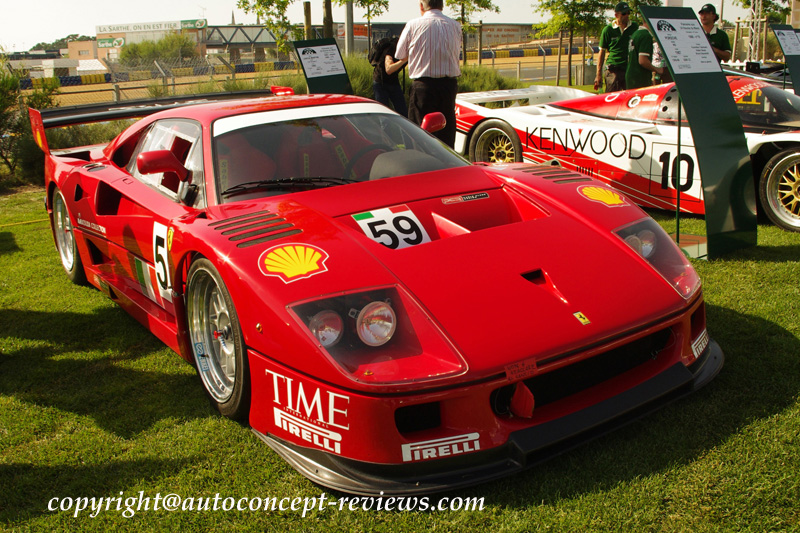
(430, 45)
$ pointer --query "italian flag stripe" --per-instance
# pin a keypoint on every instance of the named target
(145, 282)
(363, 216)
(399, 208)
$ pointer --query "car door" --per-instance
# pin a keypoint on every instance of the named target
(138, 209)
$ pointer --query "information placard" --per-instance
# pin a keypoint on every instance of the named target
(722, 155)
(323, 66)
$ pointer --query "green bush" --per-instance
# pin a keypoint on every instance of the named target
(475, 78)
(19, 153)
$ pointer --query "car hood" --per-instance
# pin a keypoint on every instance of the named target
(522, 261)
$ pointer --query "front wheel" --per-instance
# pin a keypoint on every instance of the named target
(779, 190)
(65, 241)
(217, 341)
(494, 141)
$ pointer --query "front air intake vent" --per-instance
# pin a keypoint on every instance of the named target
(254, 228)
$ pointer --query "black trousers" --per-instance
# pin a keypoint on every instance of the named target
(435, 94)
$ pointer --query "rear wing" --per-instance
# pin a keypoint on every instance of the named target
(56, 117)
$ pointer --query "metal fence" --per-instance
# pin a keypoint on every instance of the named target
(133, 80)
(122, 81)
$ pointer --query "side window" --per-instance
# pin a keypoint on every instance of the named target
(182, 138)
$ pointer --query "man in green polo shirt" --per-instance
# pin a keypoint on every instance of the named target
(720, 43)
(640, 67)
(614, 49)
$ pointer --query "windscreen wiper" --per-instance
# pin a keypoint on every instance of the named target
(286, 184)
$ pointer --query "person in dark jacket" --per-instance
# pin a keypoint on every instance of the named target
(386, 87)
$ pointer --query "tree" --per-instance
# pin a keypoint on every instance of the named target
(172, 46)
(463, 10)
(776, 11)
(63, 42)
(585, 15)
(273, 13)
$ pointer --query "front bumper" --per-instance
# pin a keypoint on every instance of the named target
(523, 449)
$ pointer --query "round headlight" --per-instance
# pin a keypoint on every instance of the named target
(643, 242)
(327, 326)
(648, 240)
(376, 323)
(634, 242)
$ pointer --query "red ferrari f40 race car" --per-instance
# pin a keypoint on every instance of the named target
(388, 317)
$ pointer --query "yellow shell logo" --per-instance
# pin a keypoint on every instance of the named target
(291, 262)
(603, 195)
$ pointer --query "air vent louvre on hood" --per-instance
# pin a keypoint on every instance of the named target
(254, 228)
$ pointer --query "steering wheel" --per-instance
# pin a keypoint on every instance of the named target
(348, 168)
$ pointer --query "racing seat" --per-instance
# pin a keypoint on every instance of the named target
(311, 151)
(240, 162)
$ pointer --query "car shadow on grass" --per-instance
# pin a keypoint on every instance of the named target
(102, 365)
(760, 378)
(8, 245)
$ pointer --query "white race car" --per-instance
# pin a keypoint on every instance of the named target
(629, 140)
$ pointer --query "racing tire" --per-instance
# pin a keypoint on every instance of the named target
(217, 341)
(65, 241)
(779, 190)
(495, 141)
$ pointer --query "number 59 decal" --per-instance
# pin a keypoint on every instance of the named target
(394, 227)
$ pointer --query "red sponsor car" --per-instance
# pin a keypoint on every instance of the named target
(628, 140)
(386, 316)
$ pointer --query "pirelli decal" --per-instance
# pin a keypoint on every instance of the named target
(700, 344)
(439, 448)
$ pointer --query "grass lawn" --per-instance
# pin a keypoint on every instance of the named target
(92, 405)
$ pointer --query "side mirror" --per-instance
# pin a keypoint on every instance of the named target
(433, 122)
(161, 161)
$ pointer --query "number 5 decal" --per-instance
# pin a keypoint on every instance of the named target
(160, 260)
(394, 227)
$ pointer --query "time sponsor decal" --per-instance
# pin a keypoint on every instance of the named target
(310, 413)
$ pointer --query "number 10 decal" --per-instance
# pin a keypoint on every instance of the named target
(394, 227)
(668, 172)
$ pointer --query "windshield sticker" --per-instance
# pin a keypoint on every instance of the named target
(394, 227)
(465, 198)
(291, 262)
(602, 195)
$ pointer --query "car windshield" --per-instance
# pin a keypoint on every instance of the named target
(769, 107)
(256, 155)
